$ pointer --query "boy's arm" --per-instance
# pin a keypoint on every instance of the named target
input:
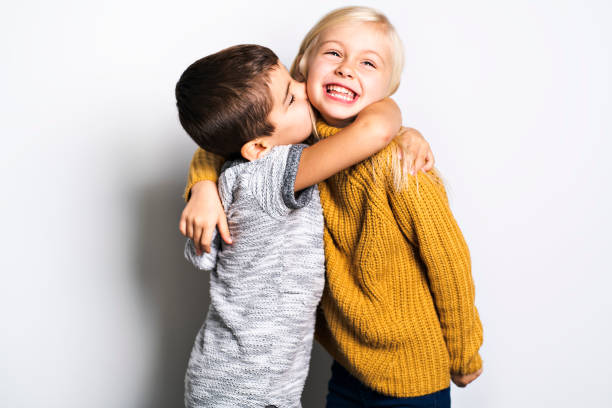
(372, 130)
(425, 218)
(415, 152)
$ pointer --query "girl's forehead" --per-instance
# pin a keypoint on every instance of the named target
(358, 35)
(363, 29)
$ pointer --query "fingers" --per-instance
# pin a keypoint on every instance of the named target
(408, 162)
(463, 380)
(224, 229)
(429, 161)
(458, 380)
(190, 228)
(419, 161)
(183, 224)
(206, 239)
(423, 156)
(197, 237)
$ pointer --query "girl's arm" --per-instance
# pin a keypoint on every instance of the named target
(424, 216)
(203, 211)
(372, 130)
(205, 166)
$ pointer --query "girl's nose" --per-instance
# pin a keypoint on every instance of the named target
(344, 70)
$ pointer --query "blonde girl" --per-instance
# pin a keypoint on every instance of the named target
(397, 313)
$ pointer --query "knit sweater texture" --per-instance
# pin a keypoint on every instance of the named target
(254, 348)
(398, 306)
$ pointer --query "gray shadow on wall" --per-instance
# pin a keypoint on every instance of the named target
(176, 292)
(178, 295)
(315, 389)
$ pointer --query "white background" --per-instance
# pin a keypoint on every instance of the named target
(98, 307)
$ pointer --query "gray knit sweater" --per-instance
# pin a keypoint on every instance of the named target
(254, 347)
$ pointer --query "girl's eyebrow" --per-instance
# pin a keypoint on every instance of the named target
(340, 43)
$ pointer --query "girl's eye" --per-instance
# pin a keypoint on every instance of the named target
(292, 99)
(369, 63)
(334, 53)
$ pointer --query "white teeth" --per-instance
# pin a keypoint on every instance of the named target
(341, 92)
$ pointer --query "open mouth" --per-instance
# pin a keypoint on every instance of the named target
(341, 93)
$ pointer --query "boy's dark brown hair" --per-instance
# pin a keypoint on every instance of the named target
(223, 99)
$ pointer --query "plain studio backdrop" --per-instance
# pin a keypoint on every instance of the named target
(99, 308)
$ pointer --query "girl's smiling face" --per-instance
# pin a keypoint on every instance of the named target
(349, 69)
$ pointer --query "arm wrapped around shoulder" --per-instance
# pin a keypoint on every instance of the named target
(204, 166)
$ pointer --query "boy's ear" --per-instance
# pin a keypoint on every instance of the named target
(255, 148)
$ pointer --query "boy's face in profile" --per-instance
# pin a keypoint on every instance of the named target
(291, 110)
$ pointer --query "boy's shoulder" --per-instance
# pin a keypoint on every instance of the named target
(268, 181)
(244, 169)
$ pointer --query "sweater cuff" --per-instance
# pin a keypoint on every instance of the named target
(206, 177)
(291, 199)
(203, 166)
(473, 365)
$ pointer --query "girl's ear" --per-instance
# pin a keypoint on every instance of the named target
(256, 148)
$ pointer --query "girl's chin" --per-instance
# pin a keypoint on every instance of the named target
(338, 120)
(338, 114)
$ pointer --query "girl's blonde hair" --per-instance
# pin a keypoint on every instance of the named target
(299, 68)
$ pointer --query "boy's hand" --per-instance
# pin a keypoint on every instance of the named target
(463, 380)
(202, 213)
(415, 152)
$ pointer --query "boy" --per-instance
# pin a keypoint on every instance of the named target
(240, 103)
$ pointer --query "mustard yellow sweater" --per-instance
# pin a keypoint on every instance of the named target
(398, 306)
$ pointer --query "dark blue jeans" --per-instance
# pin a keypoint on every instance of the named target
(345, 391)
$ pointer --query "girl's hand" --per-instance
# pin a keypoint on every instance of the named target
(202, 213)
(415, 152)
(463, 380)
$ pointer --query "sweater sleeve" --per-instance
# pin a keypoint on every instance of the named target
(206, 261)
(273, 180)
(421, 210)
(204, 166)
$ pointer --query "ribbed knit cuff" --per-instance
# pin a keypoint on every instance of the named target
(204, 166)
(470, 367)
(290, 198)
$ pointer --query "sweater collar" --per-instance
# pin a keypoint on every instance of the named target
(326, 130)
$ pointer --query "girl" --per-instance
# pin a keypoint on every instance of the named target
(397, 312)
